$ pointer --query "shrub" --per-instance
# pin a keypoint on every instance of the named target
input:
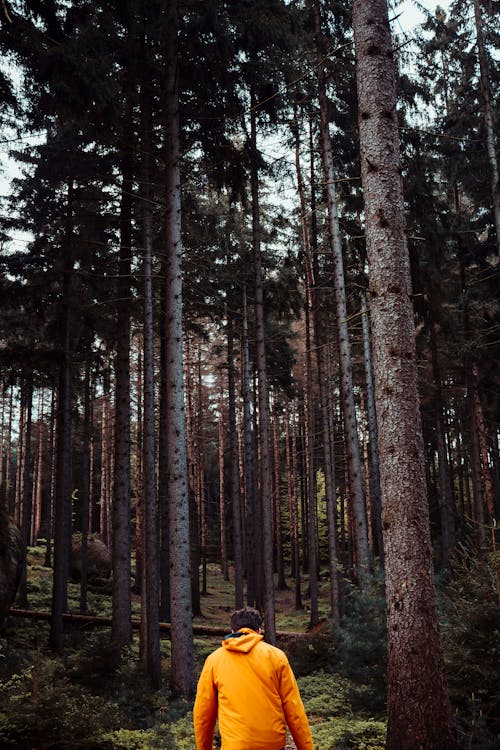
(470, 624)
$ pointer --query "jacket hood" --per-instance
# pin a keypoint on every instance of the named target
(242, 641)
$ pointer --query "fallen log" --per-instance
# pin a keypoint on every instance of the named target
(92, 620)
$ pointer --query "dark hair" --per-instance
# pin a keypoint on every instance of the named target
(248, 617)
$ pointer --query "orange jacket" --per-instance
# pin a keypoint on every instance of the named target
(250, 687)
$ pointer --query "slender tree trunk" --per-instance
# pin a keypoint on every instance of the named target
(8, 457)
(312, 278)
(27, 490)
(280, 565)
(376, 500)
(163, 498)
(202, 493)
(311, 474)
(105, 454)
(485, 461)
(265, 457)
(150, 593)
(38, 514)
(120, 509)
(222, 493)
(419, 712)
(249, 462)
(52, 471)
(447, 500)
(488, 120)
(193, 472)
(291, 461)
(63, 471)
(182, 662)
(18, 489)
(139, 481)
(87, 426)
(351, 434)
(235, 473)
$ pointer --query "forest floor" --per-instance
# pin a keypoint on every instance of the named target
(91, 698)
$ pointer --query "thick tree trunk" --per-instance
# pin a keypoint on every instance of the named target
(265, 457)
(419, 712)
(182, 663)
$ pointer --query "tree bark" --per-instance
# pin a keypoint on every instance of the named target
(376, 500)
(265, 457)
(419, 713)
(222, 493)
(150, 594)
(87, 427)
(488, 120)
(234, 470)
(120, 509)
(182, 663)
(353, 455)
(63, 472)
(249, 462)
(27, 490)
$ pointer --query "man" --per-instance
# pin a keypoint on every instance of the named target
(250, 687)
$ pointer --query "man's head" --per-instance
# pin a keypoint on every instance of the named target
(248, 617)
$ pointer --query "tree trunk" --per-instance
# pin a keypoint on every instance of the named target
(27, 490)
(249, 462)
(235, 472)
(139, 483)
(312, 279)
(150, 594)
(419, 712)
(353, 456)
(280, 565)
(376, 500)
(182, 662)
(52, 471)
(292, 495)
(120, 509)
(447, 500)
(485, 461)
(62, 509)
(311, 473)
(265, 457)
(222, 493)
(87, 426)
(488, 121)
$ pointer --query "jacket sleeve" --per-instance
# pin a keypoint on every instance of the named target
(205, 709)
(293, 709)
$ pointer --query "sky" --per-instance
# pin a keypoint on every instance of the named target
(408, 18)
(410, 15)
